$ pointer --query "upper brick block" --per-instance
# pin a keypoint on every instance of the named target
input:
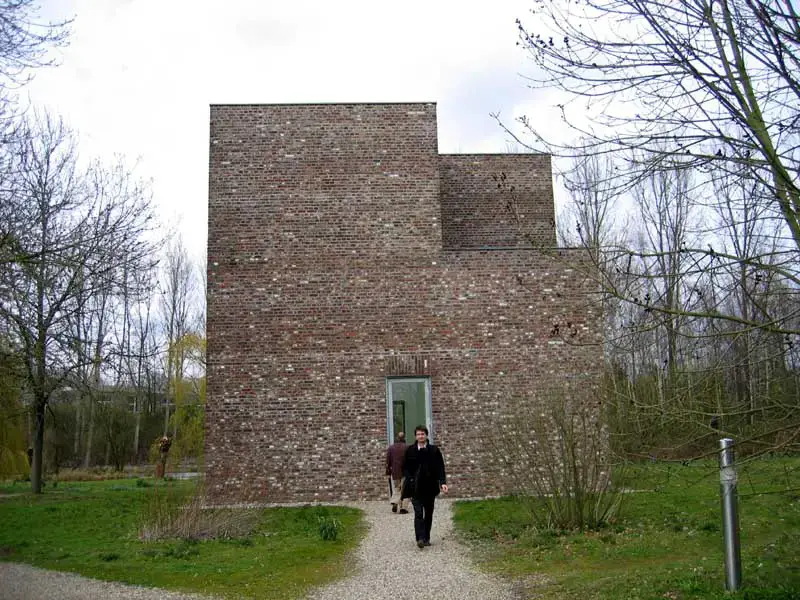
(496, 201)
(299, 180)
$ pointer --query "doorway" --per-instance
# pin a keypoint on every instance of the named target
(408, 405)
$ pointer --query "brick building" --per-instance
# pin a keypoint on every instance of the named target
(358, 283)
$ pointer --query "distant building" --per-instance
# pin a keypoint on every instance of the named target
(360, 283)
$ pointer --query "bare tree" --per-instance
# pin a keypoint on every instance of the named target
(74, 239)
(178, 287)
(664, 207)
(202, 270)
(758, 294)
(709, 87)
(136, 338)
(26, 41)
(26, 44)
(592, 208)
(711, 83)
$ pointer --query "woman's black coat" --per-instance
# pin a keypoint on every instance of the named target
(423, 471)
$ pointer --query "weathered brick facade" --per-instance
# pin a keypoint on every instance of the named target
(344, 250)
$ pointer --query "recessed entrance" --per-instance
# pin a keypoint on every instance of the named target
(408, 405)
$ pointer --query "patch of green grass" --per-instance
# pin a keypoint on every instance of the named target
(665, 543)
(92, 528)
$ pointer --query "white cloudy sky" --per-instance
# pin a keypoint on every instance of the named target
(139, 75)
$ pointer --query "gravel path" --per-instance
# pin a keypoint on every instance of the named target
(23, 582)
(389, 566)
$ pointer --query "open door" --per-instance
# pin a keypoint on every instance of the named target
(408, 405)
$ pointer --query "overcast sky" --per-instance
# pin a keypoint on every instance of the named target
(139, 75)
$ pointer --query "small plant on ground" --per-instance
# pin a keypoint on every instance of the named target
(328, 528)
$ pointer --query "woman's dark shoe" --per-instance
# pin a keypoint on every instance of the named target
(420, 544)
(403, 511)
(394, 508)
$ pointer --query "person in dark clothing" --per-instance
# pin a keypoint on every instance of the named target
(424, 477)
(395, 456)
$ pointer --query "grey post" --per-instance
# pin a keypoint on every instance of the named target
(730, 515)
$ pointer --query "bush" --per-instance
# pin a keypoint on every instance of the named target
(90, 474)
(557, 455)
(13, 456)
(13, 464)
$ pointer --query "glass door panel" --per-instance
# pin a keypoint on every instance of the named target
(409, 405)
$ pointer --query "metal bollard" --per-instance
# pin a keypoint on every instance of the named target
(730, 515)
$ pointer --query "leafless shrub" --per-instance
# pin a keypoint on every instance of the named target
(169, 517)
(557, 455)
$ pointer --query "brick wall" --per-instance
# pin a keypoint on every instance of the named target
(476, 191)
(330, 269)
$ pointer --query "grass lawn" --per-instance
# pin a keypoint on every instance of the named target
(91, 528)
(665, 543)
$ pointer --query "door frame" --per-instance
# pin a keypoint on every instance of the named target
(390, 407)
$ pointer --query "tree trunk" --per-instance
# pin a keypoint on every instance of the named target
(89, 435)
(78, 428)
(38, 447)
(166, 416)
(138, 414)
